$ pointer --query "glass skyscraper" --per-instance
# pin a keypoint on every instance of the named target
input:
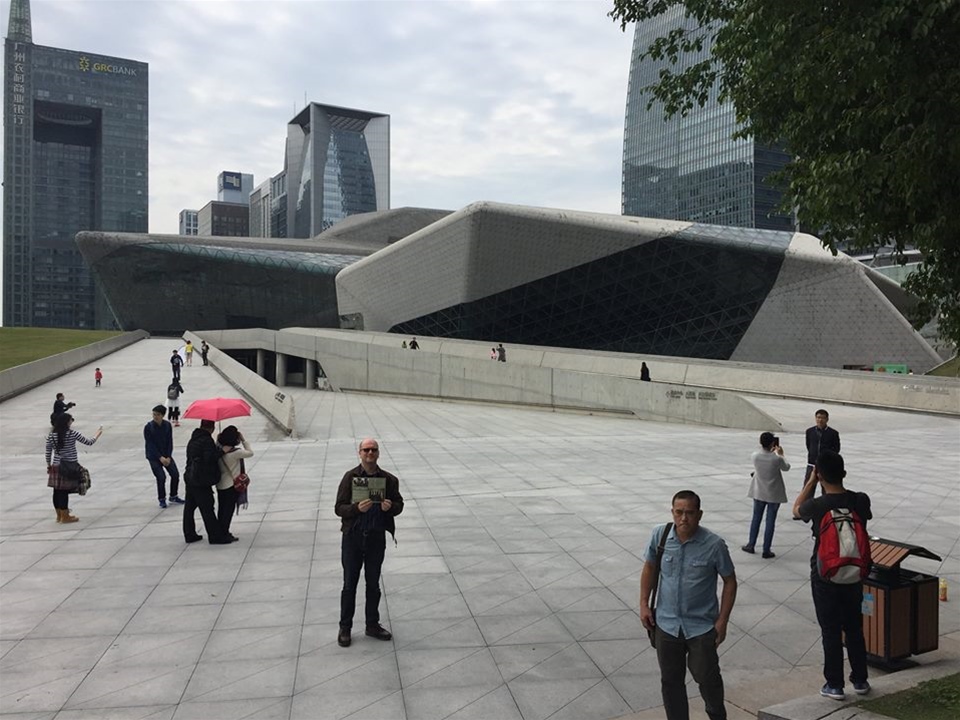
(689, 168)
(75, 158)
(337, 164)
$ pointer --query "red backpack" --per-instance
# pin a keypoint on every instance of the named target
(843, 556)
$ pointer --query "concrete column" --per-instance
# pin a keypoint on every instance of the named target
(281, 370)
(261, 363)
(310, 374)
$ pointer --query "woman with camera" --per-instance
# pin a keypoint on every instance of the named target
(64, 471)
(767, 490)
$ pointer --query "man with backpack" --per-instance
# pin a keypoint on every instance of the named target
(840, 561)
(200, 476)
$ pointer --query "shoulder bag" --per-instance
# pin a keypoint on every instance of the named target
(652, 634)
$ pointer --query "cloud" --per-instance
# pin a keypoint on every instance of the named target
(512, 101)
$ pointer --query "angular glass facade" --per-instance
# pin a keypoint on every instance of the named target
(75, 158)
(337, 165)
(689, 168)
(169, 286)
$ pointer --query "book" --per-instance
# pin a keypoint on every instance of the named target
(369, 488)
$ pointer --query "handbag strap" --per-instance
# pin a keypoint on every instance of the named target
(656, 576)
(243, 469)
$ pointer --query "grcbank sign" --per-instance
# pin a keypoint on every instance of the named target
(86, 65)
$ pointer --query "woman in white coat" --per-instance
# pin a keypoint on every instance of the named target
(767, 490)
(229, 469)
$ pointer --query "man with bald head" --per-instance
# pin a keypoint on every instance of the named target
(364, 524)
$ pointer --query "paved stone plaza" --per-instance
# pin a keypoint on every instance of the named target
(511, 593)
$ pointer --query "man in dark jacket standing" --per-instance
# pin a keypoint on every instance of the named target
(364, 525)
(820, 437)
(201, 474)
(158, 449)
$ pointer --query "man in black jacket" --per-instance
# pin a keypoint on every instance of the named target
(201, 474)
(364, 525)
(820, 437)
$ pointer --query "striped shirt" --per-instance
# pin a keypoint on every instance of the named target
(69, 449)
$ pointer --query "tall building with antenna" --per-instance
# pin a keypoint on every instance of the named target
(75, 158)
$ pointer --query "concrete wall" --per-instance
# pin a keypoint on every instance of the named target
(903, 392)
(21, 378)
(271, 400)
(371, 362)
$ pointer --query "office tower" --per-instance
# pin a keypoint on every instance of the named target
(224, 219)
(234, 187)
(689, 168)
(260, 210)
(278, 205)
(188, 222)
(75, 158)
(337, 164)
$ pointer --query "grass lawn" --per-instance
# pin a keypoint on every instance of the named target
(23, 345)
(931, 700)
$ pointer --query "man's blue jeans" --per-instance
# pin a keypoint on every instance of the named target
(758, 512)
(158, 469)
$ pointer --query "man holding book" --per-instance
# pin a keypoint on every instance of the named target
(368, 499)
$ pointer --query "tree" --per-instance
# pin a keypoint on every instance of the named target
(865, 96)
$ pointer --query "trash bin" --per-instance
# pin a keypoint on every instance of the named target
(901, 616)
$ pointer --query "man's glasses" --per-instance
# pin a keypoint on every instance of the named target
(686, 513)
(369, 449)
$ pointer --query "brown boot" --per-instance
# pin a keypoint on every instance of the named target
(59, 514)
(66, 517)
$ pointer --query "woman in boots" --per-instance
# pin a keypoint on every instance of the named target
(62, 449)
(229, 469)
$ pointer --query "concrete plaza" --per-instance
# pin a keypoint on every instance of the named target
(511, 592)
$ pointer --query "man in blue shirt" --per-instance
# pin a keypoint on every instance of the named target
(689, 622)
(158, 449)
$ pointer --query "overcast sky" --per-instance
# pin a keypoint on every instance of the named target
(515, 101)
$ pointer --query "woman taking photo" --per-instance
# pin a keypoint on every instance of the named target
(63, 468)
(230, 467)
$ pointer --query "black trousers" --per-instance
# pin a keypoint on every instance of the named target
(700, 654)
(361, 550)
(158, 468)
(61, 499)
(201, 497)
(839, 614)
(226, 504)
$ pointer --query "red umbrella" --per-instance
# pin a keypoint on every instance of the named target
(217, 409)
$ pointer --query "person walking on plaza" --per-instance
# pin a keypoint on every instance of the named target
(838, 606)
(176, 362)
(689, 623)
(501, 353)
(204, 349)
(493, 353)
(820, 437)
(767, 490)
(63, 466)
(229, 469)
(97, 377)
(364, 525)
(158, 449)
(414, 345)
(60, 406)
(174, 391)
(201, 474)
(189, 351)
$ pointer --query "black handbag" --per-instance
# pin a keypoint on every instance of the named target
(652, 633)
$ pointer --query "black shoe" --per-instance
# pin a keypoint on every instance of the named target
(221, 541)
(193, 538)
(747, 549)
(768, 555)
(234, 538)
(378, 632)
(343, 637)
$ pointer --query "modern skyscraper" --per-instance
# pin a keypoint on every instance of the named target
(75, 158)
(689, 168)
(224, 219)
(188, 222)
(234, 187)
(337, 164)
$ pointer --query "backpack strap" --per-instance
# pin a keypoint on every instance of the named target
(656, 565)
